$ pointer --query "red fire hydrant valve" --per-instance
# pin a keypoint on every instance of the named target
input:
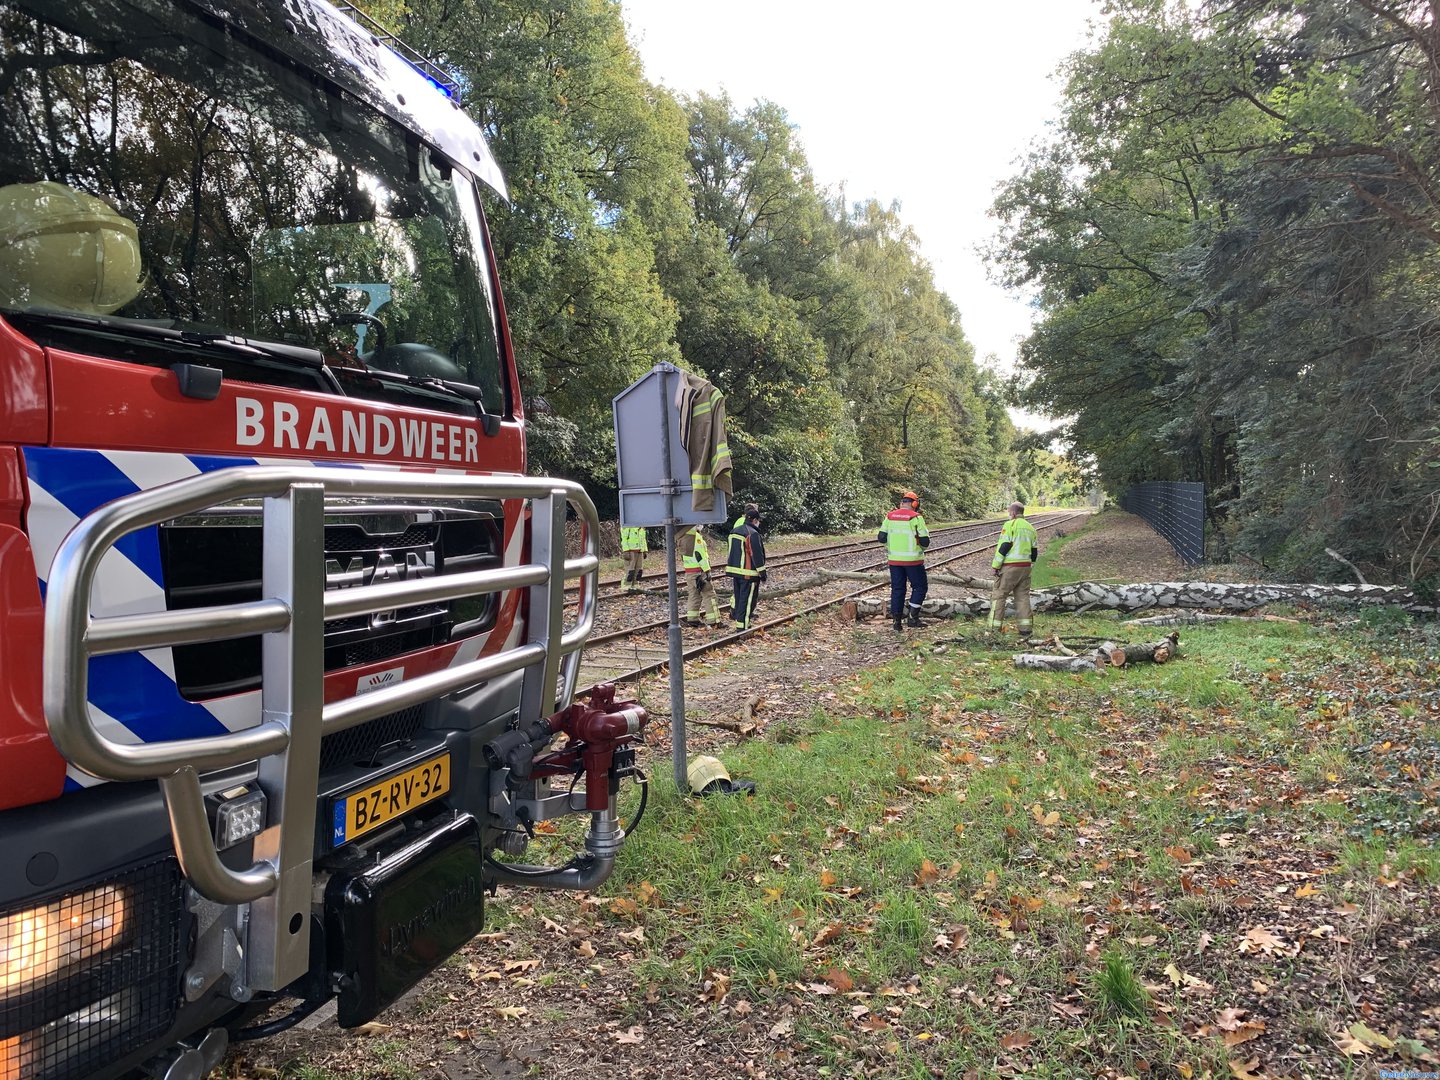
(597, 729)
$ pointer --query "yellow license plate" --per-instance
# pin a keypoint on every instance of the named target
(386, 799)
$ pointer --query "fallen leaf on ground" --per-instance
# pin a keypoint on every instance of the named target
(1259, 939)
(1348, 1044)
(840, 980)
(1369, 1037)
(1244, 1033)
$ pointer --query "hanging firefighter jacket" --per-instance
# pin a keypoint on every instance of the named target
(702, 434)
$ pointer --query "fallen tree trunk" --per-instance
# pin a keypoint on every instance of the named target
(1229, 596)
(1042, 662)
(880, 578)
(1194, 618)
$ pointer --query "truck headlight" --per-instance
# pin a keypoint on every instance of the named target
(88, 976)
(52, 1049)
(40, 943)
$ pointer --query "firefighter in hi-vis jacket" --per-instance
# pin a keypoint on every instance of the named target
(746, 565)
(633, 547)
(1015, 552)
(906, 537)
(699, 593)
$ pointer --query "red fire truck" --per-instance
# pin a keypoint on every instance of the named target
(284, 641)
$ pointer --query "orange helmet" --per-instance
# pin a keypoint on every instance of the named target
(912, 497)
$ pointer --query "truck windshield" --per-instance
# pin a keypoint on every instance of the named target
(158, 171)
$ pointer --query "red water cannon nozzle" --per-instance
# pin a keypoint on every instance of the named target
(597, 728)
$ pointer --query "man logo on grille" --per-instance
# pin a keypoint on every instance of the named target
(354, 573)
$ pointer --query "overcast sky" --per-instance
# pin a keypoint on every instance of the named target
(928, 102)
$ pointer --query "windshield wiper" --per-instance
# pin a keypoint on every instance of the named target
(215, 341)
(489, 422)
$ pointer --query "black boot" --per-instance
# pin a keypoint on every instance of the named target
(899, 622)
(914, 619)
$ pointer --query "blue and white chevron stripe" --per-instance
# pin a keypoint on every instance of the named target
(133, 697)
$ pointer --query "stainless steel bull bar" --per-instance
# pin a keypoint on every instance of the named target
(291, 616)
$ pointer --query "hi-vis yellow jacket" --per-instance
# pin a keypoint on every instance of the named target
(632, 538)
(694, 554)
(1018, 545)
(902, 533)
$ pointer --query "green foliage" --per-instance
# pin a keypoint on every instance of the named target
(644, 229)
(1233, 240)
(1118, 988)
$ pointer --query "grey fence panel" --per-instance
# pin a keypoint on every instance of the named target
(1176, 510)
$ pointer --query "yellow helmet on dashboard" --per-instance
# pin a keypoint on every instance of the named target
(63, 249)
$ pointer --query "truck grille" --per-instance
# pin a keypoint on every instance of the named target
(91, 974)
(355, 745)
(216, 558)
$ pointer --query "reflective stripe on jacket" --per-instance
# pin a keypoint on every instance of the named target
(632, 539)
(902, 531)
(702, 434)
(1018, 545)
(747, 552)
(694, 554)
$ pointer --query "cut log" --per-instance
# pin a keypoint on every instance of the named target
(1042, 662)
(1154, 651)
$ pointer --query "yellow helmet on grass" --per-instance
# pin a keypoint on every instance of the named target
(707, 776)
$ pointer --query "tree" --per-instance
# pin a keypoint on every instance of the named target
(1230, 240)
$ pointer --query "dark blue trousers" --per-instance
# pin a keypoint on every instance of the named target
(919, 581)
(746, 596)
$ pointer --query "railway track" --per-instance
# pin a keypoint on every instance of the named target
(628, 652)
(609, 588)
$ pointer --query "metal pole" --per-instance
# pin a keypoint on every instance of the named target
(677, 659)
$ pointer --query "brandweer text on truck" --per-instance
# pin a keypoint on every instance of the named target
(283, 638)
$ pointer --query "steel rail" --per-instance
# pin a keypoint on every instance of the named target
(855, 548)
(780, 620)
(811, 554)
(624, 632)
